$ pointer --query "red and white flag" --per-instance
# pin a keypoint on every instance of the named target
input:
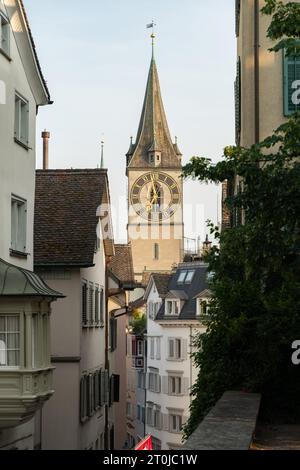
(146, 444)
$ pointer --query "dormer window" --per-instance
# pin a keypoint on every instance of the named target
(172, 307)
(203, 307)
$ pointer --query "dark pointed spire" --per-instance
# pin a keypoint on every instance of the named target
(153, 133)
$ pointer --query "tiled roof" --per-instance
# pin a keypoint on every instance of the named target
(161, 282)
(121, 264)
(66, 204)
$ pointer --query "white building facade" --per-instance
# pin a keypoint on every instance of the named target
(25, 301)
(174, 317)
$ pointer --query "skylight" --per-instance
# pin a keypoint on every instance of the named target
(186, 277)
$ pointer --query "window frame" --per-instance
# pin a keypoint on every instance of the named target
(5, 25)
(21, 123)
(20, 333)
(18, 224)
(175, 306)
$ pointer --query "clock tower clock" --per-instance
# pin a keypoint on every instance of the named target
(155, 188)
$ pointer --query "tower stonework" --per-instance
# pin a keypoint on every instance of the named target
(155, 188)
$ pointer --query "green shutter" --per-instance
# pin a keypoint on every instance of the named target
(237, 17)
(291, 74)
(237, 90)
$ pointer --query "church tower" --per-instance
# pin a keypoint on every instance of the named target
(155, 188)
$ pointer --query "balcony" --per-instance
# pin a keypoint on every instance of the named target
(22, 393)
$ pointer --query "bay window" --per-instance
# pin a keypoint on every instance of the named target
(9, 340)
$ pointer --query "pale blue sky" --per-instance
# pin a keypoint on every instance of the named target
(95, 56)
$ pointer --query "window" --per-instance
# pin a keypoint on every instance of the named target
(141, 380)
(156, 444)
(174, 349)
(181, 277)
(9, 340)
(156, 307)
(156, 251)
(97, 305)
(175, 385)
(151, 310)
(175, 423)
(84, 293)
(94, 393)
(186, 277)
(143, 415)
(152, 348)
(101, 307)
(18, 224)
(4, 34)
(154, 381)
(113, 333)
(291, 76)
(91, 304)
(204, 307)
(189, 277)
(157, 417)
(172, 307)
(21, 120)
(150, 415)
(140, 348)
(128, 409)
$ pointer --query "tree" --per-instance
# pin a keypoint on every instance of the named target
(255, 312)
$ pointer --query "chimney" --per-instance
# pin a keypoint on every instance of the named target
(45, 137)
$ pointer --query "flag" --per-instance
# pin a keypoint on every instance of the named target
(150, 25)
(146, 444)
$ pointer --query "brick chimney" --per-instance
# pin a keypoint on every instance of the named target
(45, 137)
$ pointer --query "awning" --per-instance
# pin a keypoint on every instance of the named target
(15, 281)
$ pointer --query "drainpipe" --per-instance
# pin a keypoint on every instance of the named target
(256, 72)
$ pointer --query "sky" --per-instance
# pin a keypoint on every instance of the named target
(95, 56)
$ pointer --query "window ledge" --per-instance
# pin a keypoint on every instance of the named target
(25, 146)
(5, 54)
(18, 254)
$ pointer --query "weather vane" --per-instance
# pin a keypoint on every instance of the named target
(152, 25)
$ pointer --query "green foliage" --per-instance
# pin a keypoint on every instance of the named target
(285, 25)
(255, 315)
(138, 324)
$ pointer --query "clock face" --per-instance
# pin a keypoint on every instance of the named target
(155, 196)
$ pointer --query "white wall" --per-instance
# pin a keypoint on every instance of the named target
(17, 165)
(174, 329)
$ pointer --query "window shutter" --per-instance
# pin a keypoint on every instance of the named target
(159, 384)
(84, 304)
(165, 385)
(165, 422)
(116, 395)
(237, 17)
(101, 307)
(106, 387)
(184, 349)
(102, 384)
(291, 73)
(147, 381)
(186, 386)
(237, 88)
(82, 399)
(158, 354)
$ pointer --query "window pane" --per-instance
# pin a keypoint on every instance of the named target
(181, 277)
(12, 324)
(171, 348)
(13, 341)
(189, 277)
(13, 358)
